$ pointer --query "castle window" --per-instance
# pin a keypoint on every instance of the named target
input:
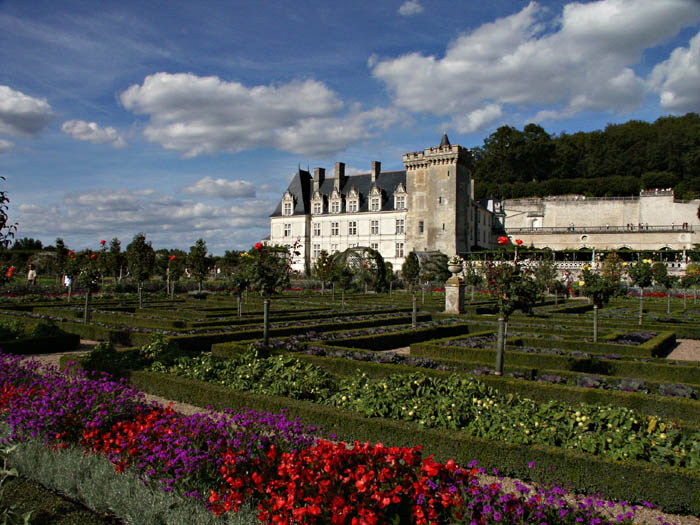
(400, 226)
(352, 228)
(421, 226)
(335, 207)
(400, 202)
(318, 208)
(374, 204)
(374, 227)
(334, 228)
(440, 201)
(334, 248)
(399, 249)
(287, 229)
(287, 208)
(317, 229)
(352, 206)
(317, 250)
(374, 245)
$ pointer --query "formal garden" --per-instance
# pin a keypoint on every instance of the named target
(352, 397)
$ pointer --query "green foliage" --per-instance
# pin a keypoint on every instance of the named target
(140, 257)
(7, 231)
(410, 270)
(197, 261)
(512, 286)
(472, 273)
(160, 349)
(640, 273)
(546, 274)
(267, 268)
(661, 276)
(434, 268)
(323, 267)
(10, 330)
(598, 288)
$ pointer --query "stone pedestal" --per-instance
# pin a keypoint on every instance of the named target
(454, 295)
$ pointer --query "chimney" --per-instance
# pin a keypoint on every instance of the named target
(376, 170)
(339, 175)
(319, 177)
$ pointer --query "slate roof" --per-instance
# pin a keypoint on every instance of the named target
(301, 187)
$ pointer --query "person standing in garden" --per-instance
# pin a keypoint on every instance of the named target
(31, 276)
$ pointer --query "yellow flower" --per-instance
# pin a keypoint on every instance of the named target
(581, 283)
(648, 261)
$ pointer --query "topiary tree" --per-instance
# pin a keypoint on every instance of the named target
(662, 278)
(547, 277)
(140, 259)
(323, 269)
(641, 275)
(115, 259)
(513, 288)
(598, 289)
(197, 261)
(87, 268)
(410, 274)
(472, 276)
(239, 281)
(692, 278)
(268, 270)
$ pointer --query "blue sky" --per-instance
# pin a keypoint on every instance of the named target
(186, 119)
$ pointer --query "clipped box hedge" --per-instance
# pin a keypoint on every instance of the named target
(674, 490)
(403, 338)
(41, 345)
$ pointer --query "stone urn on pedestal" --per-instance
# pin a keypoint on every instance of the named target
(454, 287)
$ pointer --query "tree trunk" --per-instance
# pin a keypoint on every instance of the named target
(556, 298)
(391, 286)
(500, 345)
(413, 311)
(668, 301)
(333, 291)
(70, 289)
(471, 300)
(140, 287)
(685, 300)
(266, 321)
(86, 312)
(199, 286)
(246, 296)
(323, 287)
(240, 306)
(695, 294)
(365, 287)
(641, 305)
(422, 299)
(342, 297)
(595, 323)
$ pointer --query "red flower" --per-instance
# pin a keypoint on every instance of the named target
(258, 246)
(102, 242)
(71, 252)
(172, 257)
(93, 256)
(503, 239)
(518, 241)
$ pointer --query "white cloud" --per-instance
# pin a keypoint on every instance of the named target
(5, 145)
(579, 61)
(221, 188)
(677, 80)
(22, 115)
(410, 8)
(478, 118)
(199, 115)
(82, 218)
(91, 131)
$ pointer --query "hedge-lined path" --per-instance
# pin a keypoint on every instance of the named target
(643, 516)
(686, 350)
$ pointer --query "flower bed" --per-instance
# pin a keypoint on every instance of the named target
(224, 460)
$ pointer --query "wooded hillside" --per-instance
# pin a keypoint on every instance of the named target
(620, 160)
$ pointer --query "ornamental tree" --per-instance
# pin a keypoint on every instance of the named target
(513, 287)
(598, 289)
(692, 278)
(140, 259)
(197, 261)
(323, 269)
(641, 275)
(410, 274)
(662, 278)
(115, 259)
(268, 269)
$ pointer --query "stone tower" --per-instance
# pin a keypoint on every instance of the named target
(439, 187)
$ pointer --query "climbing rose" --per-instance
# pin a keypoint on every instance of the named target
(503, 239)
(518, 241)
(93, 256)
(172, 257)
(102, 242)
(258, 246)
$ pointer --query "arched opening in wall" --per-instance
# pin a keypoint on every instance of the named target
(535, 222)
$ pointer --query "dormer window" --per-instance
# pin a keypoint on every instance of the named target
(288, 204)
(317, 203)
(353, 204)
(400, 197)
(336, 202)
(375, 199)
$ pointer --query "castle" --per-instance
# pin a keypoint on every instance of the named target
(430, 206)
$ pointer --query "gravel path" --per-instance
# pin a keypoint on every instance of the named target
(686, 350)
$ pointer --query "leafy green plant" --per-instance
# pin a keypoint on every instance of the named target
(8, 515)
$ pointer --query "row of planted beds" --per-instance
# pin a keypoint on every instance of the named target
(328, 367)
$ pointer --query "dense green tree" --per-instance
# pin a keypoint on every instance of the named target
(323, 269)
(641, 275)
(27, 243)
(140, 259)
(197, 262)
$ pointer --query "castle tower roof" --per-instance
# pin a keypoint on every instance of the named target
(445, 141)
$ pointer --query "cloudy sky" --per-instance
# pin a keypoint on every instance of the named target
(186, 119)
